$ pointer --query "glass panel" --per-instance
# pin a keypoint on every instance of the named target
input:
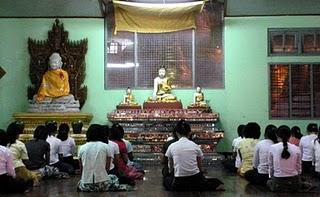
(209, 51)
(308, 43)
(127, 67)
(277, 44)
(316, 90)
(283, 42)
(170, 50)
(300, 86)
(290, 43)
(311, 42)
(120, 56)
(279, 88)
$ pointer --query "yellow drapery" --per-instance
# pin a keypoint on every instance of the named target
(155, 18)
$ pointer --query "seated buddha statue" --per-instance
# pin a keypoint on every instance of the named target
(128, 98)
(54, 92)
(198, 98)
(162, 88)
(55, 81)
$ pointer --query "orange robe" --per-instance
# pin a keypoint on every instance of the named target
(55, 83)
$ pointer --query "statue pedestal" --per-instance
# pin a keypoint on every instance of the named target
(200, 108)
(162, 105)
(128, 107)
(32, 120)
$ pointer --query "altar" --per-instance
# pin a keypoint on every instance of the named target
(148, 129)
(32, 120)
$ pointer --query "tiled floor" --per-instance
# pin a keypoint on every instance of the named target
(151, 187)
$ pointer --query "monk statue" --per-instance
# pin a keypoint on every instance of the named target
(54, 92)
(128, 98)
(198, 98)
(162, 87)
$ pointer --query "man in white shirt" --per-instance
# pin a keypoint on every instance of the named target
(234, 163)
(185, 159)
(306, 145)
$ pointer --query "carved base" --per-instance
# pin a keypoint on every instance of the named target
(128, 107)
(32, 120)
(162, 105)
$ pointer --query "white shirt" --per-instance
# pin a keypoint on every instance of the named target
(306, 146)
(6, 162)
(235, 141)
(68, 147)
(128, 145)
(184, 154)
(114, 148)
(316, 149)
(260, 156)
(279, 167)
(55, 149)
(235, 147)
(93, 156)
(18, 152)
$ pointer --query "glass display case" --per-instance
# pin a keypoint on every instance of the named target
(149, 129)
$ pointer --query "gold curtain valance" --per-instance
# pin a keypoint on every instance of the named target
(155, 18)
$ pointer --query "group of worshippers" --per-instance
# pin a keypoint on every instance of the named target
(104, 161)
(284, 161)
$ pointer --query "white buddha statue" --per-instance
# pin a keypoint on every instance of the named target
(162, 88)
(198, 98)
(54, 92)
(128, 98)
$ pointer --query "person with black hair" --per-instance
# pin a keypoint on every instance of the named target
(124, 169)
(7, 173)
(185, 161)
(164, 159)
(251, 133)
(55, 149)
(95, 157)
(259, 175)
(296, 135)
(316, 153)
(38, 149)
(39, 155)
(67, 146)
(285, 165)
(306, 147)
(20, 155)
(234, 164)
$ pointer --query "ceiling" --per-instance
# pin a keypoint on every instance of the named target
(92, 8)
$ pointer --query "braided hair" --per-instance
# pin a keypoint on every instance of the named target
(284, 133)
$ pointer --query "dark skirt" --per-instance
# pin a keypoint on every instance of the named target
(254, 177)
(10, 185)
(288, 184)
(307, 168)
(196, 182)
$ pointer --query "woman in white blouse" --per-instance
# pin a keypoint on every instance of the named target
(260, 173)
(285, 165)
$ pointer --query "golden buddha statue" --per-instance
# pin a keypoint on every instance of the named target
(162, 87)
(55, 82)
(128, 98)
(198, 98)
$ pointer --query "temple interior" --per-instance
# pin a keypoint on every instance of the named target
(147, 64)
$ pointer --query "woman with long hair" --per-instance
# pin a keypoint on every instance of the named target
(285, 165)
(260, 173)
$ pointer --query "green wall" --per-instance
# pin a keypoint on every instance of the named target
(244, 99)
